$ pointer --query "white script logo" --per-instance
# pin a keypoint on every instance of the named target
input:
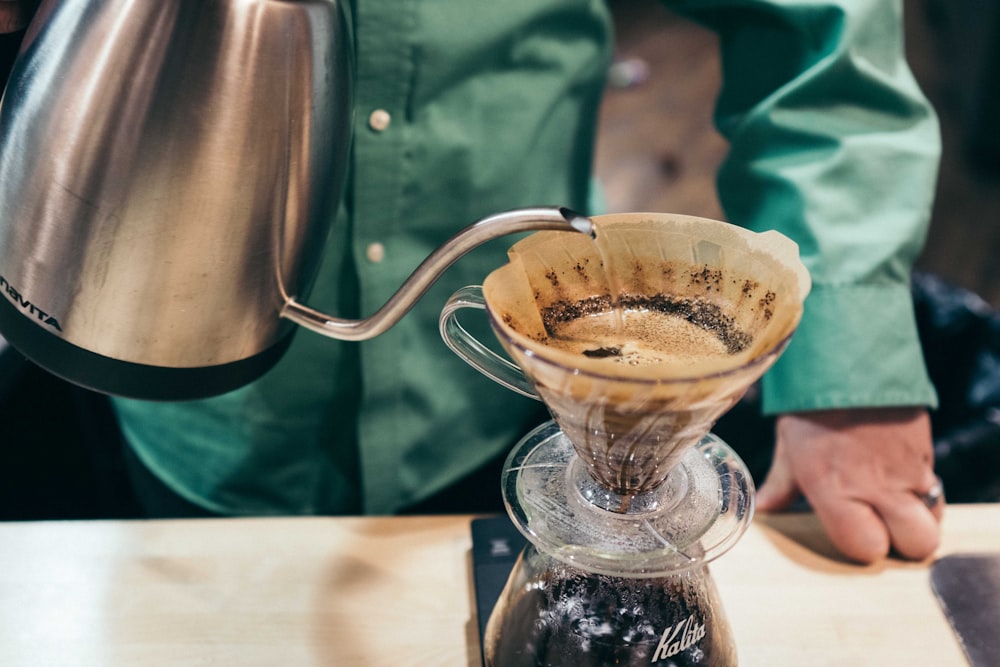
(677, 638)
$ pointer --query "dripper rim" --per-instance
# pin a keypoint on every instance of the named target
(773, 247)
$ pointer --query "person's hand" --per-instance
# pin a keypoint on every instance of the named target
(16, 14)
(866, 473)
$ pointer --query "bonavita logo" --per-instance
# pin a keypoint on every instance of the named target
(677, 638)
(27, 306)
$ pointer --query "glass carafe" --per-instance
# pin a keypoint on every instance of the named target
(551, 613)
(598, 586)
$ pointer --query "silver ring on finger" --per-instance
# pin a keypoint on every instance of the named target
(932, 496)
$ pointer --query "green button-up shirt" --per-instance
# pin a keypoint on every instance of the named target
(481, 107)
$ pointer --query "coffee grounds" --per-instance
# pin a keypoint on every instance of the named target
(705, 315)
(561, 312)
(603, 352)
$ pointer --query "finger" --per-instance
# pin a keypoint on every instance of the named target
(855, 528)
(779, 489)
(913, 527)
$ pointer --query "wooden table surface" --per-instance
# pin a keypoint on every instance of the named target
(397, 591)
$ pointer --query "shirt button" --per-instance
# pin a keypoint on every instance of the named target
(379, 120)
(375, 252)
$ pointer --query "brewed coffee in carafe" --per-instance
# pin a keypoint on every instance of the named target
(560, 615)
(637, 341)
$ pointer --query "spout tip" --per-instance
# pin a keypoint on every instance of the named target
(578, 221)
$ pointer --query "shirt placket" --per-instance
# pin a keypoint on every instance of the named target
(384, 36)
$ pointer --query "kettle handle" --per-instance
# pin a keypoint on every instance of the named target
(487, 229)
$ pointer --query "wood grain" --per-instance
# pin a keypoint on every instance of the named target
(397, 591)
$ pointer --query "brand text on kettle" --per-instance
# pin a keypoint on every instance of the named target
(26, 305)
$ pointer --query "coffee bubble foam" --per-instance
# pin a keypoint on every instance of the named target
(639, 338)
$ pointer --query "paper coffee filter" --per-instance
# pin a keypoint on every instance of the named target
(707, 307)
(745, 288)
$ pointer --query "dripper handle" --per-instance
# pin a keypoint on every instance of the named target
(477, 355)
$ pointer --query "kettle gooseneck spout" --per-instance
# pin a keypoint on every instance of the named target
(487, 229)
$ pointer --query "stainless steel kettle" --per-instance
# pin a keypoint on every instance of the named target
(169, 170)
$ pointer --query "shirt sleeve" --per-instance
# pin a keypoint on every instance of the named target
(833, 144)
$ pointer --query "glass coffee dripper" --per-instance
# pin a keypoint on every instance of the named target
(637, 341)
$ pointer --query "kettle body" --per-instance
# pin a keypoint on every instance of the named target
(168, 174)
